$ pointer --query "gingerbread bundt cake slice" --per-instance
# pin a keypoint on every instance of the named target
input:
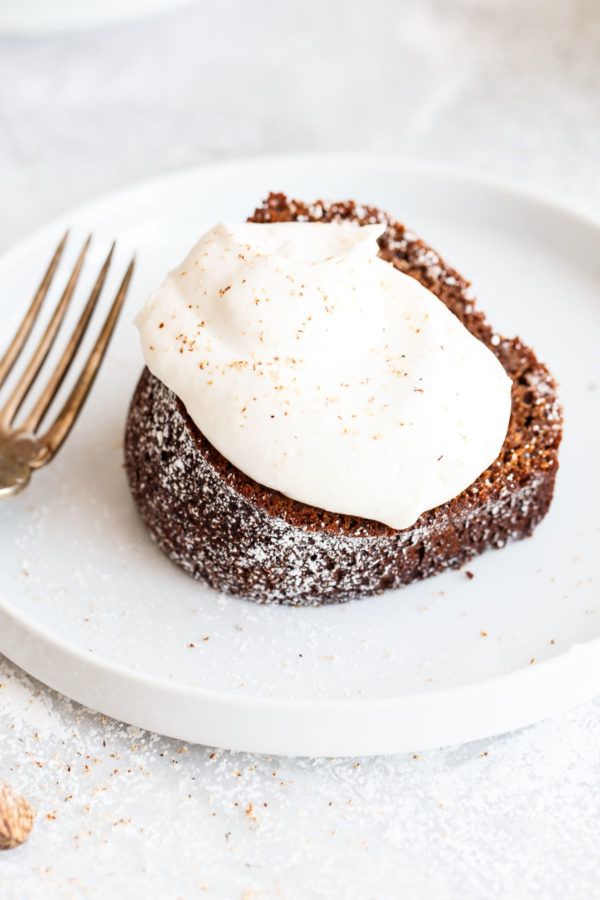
(246, 539)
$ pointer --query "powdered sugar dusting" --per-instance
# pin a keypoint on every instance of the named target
(212, 532)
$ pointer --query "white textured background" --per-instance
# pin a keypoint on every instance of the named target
(511, 88)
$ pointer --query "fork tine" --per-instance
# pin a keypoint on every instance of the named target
(16, 345)
(47, 396)
(43, 348)
(65, 420)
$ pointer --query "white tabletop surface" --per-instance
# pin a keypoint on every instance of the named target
(509, 88)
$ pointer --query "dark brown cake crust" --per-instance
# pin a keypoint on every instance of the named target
(246, 539)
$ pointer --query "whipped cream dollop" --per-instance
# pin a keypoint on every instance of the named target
(321, 371)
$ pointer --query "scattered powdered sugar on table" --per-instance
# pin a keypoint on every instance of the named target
(118, 806)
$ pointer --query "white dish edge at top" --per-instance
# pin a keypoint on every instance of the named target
(40, 17)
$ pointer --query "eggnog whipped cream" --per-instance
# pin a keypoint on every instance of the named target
(323, 372)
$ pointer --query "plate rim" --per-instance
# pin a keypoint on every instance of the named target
(505, 184)
(306, 722)
(579, 648)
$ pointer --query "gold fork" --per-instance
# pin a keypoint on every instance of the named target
(22, 449)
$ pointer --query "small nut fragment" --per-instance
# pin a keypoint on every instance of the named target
(16, 817)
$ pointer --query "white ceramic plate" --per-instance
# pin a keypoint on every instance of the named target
(36, 17)
(92, 608)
